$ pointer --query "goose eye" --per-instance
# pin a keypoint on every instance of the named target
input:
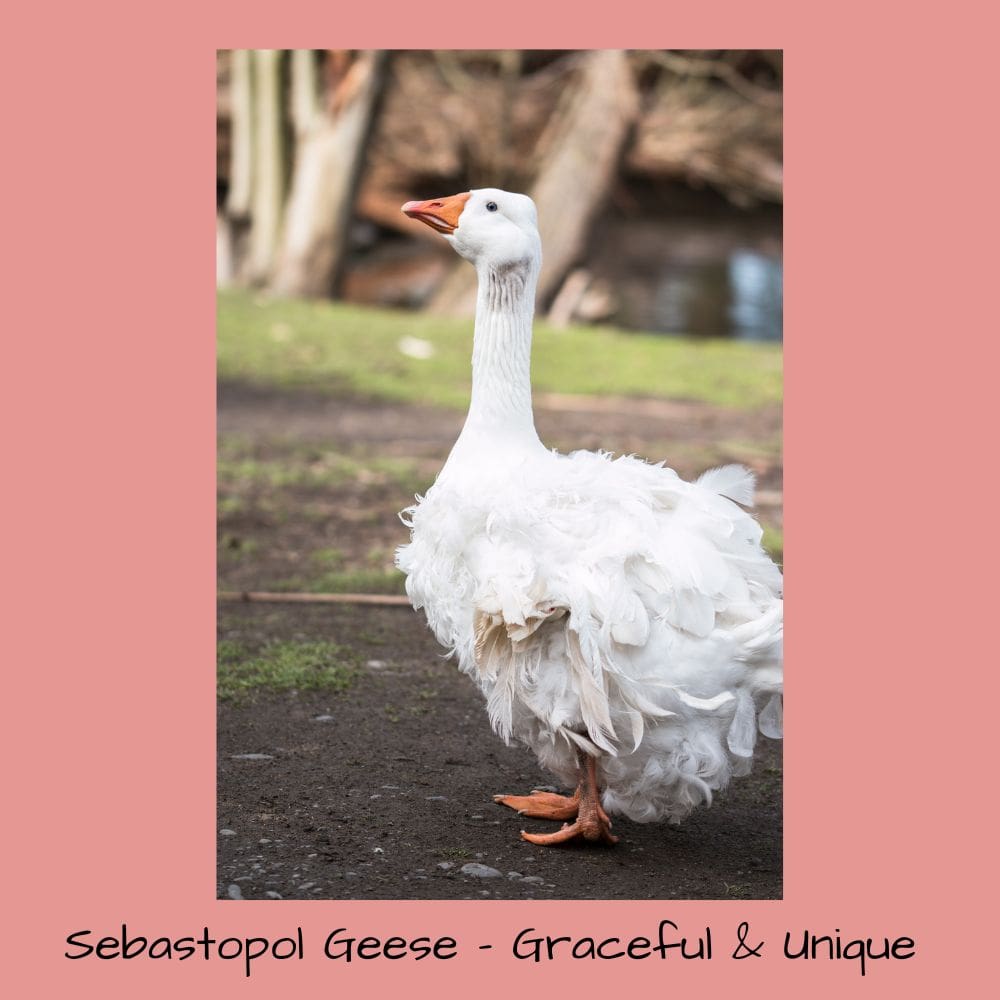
(491, 206)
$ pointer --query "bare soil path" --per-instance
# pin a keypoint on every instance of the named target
(384, 789)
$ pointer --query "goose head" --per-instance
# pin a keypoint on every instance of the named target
(492, 228)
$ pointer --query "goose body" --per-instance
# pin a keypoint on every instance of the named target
(624, 624)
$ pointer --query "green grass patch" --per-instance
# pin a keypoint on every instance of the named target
(238, 470)
(332, 559)
(283, 666)
(454, 853)
(774, 543)
(767, 447)
(230, 506)
(234, 549)
(337, 348)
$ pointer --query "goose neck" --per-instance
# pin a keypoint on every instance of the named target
(501, 354)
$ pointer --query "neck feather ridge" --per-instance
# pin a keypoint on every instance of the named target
(501, 353)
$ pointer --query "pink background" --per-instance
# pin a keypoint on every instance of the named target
(108, 574)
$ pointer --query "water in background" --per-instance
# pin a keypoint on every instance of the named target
(699, 275)
(720, 278)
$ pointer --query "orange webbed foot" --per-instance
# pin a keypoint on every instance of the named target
(542, 805)
(592, 823)
(595, 829)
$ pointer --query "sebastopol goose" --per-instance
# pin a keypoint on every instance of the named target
(622, 623)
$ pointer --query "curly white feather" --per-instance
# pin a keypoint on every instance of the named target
(608, 601)
(601, 604)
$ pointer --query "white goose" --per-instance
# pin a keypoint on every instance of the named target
(623, 623)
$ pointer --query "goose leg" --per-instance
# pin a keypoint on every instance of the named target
(592, 822)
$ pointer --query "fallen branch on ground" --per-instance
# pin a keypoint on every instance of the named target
(301, 598)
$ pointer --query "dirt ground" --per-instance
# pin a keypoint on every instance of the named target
(384, 789)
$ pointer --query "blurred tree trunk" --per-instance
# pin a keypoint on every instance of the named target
(579, 157)
(582, 151)
(241, 136)
(269, 164)
(333, 124)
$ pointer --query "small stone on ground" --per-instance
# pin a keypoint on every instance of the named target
(477, 870)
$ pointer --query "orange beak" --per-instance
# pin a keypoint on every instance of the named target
(441, 214)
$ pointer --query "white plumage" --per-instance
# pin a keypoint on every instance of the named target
(607, 608)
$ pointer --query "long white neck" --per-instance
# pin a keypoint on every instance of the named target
(501, 353)
(499, 433)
